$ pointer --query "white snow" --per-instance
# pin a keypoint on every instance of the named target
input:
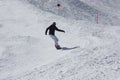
(26, 53)
(108, 10)
(22, 40)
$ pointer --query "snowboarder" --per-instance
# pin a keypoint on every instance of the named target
(52, 29)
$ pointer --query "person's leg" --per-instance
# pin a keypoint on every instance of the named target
(55, 39)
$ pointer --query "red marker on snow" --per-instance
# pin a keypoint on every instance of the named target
(58, 6)
(97, 17)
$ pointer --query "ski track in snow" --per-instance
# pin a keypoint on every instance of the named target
(27, 54)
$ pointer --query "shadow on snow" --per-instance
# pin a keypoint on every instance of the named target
(69, 48)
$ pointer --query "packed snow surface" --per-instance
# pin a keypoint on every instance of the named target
(92, 50)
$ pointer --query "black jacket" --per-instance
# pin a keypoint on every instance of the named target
(52, 29)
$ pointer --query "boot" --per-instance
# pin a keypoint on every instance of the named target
(57, 47)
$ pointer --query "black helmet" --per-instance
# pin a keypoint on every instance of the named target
(54, 23)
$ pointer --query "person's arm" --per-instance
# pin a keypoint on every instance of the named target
(60, 30)
(46, 31)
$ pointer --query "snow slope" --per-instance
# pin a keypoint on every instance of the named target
(82, 9)
(27, 54)
(23, 44)
(108, 6)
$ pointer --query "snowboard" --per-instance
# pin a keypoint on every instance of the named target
(58, 47)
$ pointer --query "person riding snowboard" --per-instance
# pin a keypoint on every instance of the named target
(52, 28)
